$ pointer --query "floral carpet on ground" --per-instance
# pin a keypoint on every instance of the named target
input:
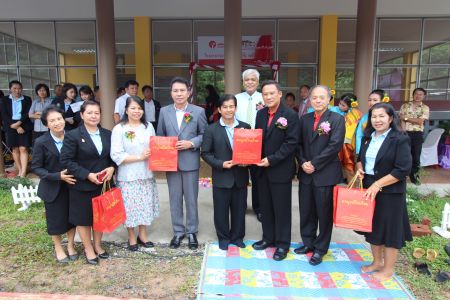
(249, 274)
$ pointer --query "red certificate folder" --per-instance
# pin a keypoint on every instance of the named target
(247, 145)
(164, 155)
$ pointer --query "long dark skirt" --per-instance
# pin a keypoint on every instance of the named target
(57, 213)
(80, 209)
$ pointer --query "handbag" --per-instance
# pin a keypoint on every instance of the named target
(108, 209)
(350, 208)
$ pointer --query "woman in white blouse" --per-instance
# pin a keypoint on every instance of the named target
(130, 151)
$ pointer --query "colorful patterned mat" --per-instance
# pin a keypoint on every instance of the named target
(246, 273)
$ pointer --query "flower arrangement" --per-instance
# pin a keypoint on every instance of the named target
(187, 117)
(130, 135)
(205, 182)
(259, 105)
(324, 128)
(281, 123)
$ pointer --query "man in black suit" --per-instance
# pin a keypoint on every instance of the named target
(321, 138)
(229, 180)
(276, 169)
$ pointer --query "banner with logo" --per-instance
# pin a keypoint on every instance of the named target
(254, 49)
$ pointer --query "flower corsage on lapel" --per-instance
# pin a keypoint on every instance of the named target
(187, 117)
(281, 123)
(324, 128)
(260, 105)
(130, 135)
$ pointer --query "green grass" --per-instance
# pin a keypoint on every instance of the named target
(23, 235)
(425, 287)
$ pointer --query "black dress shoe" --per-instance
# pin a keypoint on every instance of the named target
(93, 261)
(104, 255)
(73, 257)
(261, 245)
(303, 250)
(240, 244)
(63, 261)
(259, 217)
(145, 244)
(280, 254)
(447, 249)
(133, 248)
(316, 259)
(223, 245)
(192, 241)
(176, 241)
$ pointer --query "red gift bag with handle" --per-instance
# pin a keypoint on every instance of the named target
(350, 208)
(108, 209)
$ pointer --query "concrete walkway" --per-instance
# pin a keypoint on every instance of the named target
(161, 230)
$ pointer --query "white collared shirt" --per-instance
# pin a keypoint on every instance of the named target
(149, 111)
(119, 107)
(180, 114)
(242, 105)
(229, 129)
(372, 151)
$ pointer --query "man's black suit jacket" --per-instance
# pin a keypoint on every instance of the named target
(216, 149)
(393, 157)
(6, 113)
(46, 164)
(80, 156)
(321, 149)
(279, 144)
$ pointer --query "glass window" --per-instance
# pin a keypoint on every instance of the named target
(346, 41)
(78, 76)
(124, 31)
(344, 80)
(436, 45)
(292, 77)
(6, 75)
(76, 43)
(298, 41)
(124, 74)
(7, 44)
(399, 40)
(30, 77)
(163, 76)
(36, 43)
(398, 82)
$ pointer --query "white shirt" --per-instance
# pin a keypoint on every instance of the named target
(242, 105)
(180, 114)
(149, 111)
(372, 151)
(119, 107)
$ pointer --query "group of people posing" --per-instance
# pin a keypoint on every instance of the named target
(74, 161)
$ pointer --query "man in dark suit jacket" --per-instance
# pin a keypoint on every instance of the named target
(321, 138)
(229, 180)
(276, 169)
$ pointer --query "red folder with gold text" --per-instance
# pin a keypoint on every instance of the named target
(247, 145)
(163, 153)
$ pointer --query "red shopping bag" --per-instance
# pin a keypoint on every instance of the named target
(108, 209)
(351, 209)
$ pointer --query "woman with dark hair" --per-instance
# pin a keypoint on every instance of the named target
(86, 93)
(375, 96)
(17, 125)
(53, 186)
(383, 163)
(347, 108)
(85, 154)
(69, 94)
(37, 107)
(211, 107)
(130, 151)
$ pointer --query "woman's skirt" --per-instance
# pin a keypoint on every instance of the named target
(57, 213)
(80, 206)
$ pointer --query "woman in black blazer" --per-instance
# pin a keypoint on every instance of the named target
(384, 163)
(69, 94)
(53, 184)
(17, 125)
(85, 154)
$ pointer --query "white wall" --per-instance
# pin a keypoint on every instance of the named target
(85, 9)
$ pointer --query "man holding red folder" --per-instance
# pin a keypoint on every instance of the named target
(276, 170)
(321, 138)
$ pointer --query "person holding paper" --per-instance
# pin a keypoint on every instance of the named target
(249, 102)
(276, 170)
(130, 151)
(384, 162)
(69, 94)
(188, 123)
(321, 138)
(230, 180)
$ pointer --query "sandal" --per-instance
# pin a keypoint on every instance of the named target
(422, 268)
(442, 277)
(418, 252)
(431, 254)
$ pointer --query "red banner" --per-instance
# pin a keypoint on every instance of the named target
(164, 154)
(247, 145)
